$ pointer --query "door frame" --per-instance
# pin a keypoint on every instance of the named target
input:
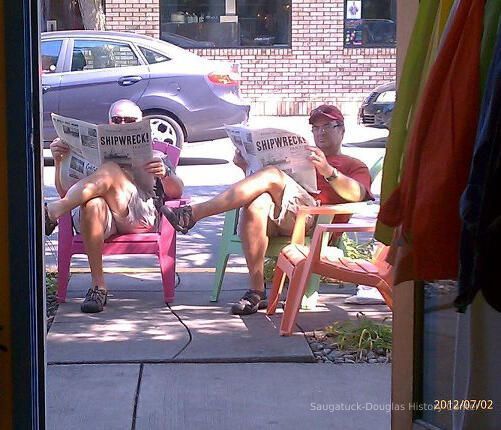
(22, 296)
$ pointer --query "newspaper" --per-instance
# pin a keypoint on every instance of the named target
(288, 151)
(129, 145)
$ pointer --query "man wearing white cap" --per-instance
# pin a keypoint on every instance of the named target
(108, 202)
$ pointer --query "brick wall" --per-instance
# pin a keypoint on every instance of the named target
(137, 16)
(316, 69)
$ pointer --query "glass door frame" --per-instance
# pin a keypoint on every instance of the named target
(22, 360)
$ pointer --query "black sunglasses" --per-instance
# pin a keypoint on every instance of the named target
(123, 119)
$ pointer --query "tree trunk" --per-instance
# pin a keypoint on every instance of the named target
(92, 14)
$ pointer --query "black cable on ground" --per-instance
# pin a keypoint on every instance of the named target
(190, 337)
(136, 397)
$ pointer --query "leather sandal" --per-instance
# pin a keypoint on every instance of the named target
(180, 218)
(50, 225)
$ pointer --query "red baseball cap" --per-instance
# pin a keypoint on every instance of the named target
(328, 111)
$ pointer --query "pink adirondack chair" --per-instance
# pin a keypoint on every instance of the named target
(298, 262)
(161, 243)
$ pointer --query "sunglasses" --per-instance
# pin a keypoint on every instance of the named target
(324, 128)
(123, 119)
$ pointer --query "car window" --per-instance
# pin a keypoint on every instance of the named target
(50, 53)
(153, 57)
(101, 54)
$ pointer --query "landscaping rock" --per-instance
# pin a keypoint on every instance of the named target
(335, 355)
(316, 346)
(325, 351)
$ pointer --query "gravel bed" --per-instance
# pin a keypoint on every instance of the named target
(325, 351)
(440, 288)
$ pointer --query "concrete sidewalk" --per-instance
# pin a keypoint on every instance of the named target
(291, 396)
(194, 366)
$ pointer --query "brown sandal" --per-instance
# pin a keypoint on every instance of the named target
(50, 225)
(180, 218)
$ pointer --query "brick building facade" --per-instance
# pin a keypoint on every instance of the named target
(316, 68)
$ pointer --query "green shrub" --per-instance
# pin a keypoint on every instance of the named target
(361, 334)
(51, 283)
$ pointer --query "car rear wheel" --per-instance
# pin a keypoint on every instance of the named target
(165, 129)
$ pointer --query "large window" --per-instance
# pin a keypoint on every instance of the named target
(97, 54)
(370, 23)
(226, 23)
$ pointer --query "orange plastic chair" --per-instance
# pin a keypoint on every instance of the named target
(298, 263)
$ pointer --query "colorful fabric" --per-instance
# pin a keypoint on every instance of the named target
(492, 19)
(407, 97)
(425, 206)
(481, 202)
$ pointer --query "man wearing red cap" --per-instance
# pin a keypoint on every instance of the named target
(269, 199)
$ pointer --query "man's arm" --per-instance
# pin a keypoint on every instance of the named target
(173, 185)
(348, 188)
(60, 151)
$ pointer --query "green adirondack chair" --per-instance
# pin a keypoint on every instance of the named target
(231, 244)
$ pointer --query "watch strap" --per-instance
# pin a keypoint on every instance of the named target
(334, 175)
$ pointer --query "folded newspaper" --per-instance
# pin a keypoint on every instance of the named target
(129, 145)
(288, 151)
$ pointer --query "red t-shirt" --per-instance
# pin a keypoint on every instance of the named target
(350, 167)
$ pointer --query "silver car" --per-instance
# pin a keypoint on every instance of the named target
(188, 98)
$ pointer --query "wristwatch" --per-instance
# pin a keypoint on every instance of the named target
(333, 175)
(168, 171)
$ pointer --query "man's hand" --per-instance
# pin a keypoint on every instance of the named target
(317, 157)
(59, 149)
(156, 167)
(239, 161)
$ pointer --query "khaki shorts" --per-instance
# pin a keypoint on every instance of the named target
(282, 218)
(142, 216)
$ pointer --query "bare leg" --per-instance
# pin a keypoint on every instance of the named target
(108, 182)
(252, 225)
(268, 180)
(93, 221)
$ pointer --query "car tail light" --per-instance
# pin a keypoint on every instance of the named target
(224, 78)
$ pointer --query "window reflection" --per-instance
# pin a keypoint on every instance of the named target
(370, 23)
(439, 344)
(226, 24)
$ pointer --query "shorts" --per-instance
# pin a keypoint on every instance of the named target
(141, 217)
(282, 218)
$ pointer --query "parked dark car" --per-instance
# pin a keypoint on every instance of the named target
(377, 108)
(187, 97)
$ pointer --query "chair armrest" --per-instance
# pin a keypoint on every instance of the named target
(345, 228)
(175, 203)
(343, 208)
(299, 232)
(317, 243)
